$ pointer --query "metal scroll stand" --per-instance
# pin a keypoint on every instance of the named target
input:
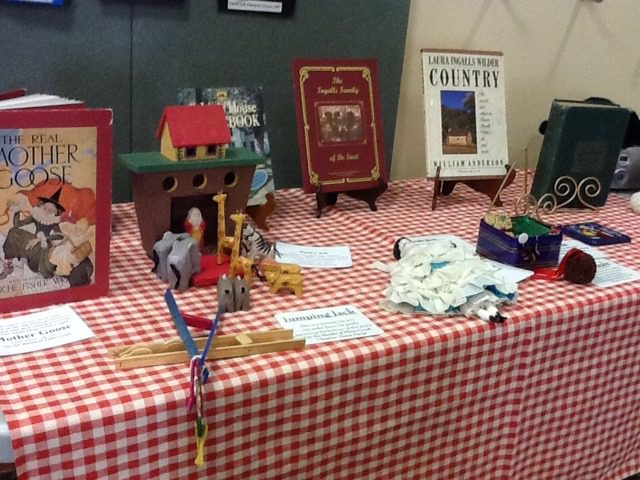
(566, 190)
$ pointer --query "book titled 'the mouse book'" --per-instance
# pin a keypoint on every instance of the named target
(244, 107)
(339, 124)
(55, 205)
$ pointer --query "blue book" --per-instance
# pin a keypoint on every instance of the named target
(595, 234)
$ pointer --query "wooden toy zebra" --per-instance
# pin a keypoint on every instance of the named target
(255, 246)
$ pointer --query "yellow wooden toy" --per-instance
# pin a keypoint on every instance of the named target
(282, 275)
(224, 242)
(238, 263)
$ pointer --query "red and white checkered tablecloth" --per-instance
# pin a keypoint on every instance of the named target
(550, 394)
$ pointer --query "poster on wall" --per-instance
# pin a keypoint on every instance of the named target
(282, 7)
(465, 113)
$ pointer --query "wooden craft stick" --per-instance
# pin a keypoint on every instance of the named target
(181, 326)
(525, 155)
(244, 339)
(223, 346)
(504, 181)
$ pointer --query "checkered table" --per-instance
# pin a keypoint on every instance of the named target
(550, 394)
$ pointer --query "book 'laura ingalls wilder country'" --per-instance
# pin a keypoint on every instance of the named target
(55, 197)
(465, 117)
(244, 108)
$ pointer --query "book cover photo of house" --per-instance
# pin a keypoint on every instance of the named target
(458, 112)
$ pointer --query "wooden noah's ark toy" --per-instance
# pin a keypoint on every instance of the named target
(194, 164)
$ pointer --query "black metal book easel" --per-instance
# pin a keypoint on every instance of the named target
(489, 186)
(368, 195)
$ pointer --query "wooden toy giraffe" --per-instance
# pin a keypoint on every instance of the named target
(238, 263)
(224, 242)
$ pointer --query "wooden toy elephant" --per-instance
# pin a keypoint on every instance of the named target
(226, 302)
(183, 261)
(233, 294)
(241, 296)
(161, 251)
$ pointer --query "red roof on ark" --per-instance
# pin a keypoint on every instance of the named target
(193, 125)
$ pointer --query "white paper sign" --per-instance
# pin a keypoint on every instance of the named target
(609, 273)
(328, 324)
(569, 243)
(314, 257)
(255, 6)
(457, 241)
(42, 330)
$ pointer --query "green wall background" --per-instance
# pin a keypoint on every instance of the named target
(134, 56)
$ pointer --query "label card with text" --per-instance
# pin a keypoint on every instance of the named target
(328, 324)
(314, 257)
(609, 274)
(42, 330)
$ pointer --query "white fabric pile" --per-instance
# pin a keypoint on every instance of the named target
(445, 277)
